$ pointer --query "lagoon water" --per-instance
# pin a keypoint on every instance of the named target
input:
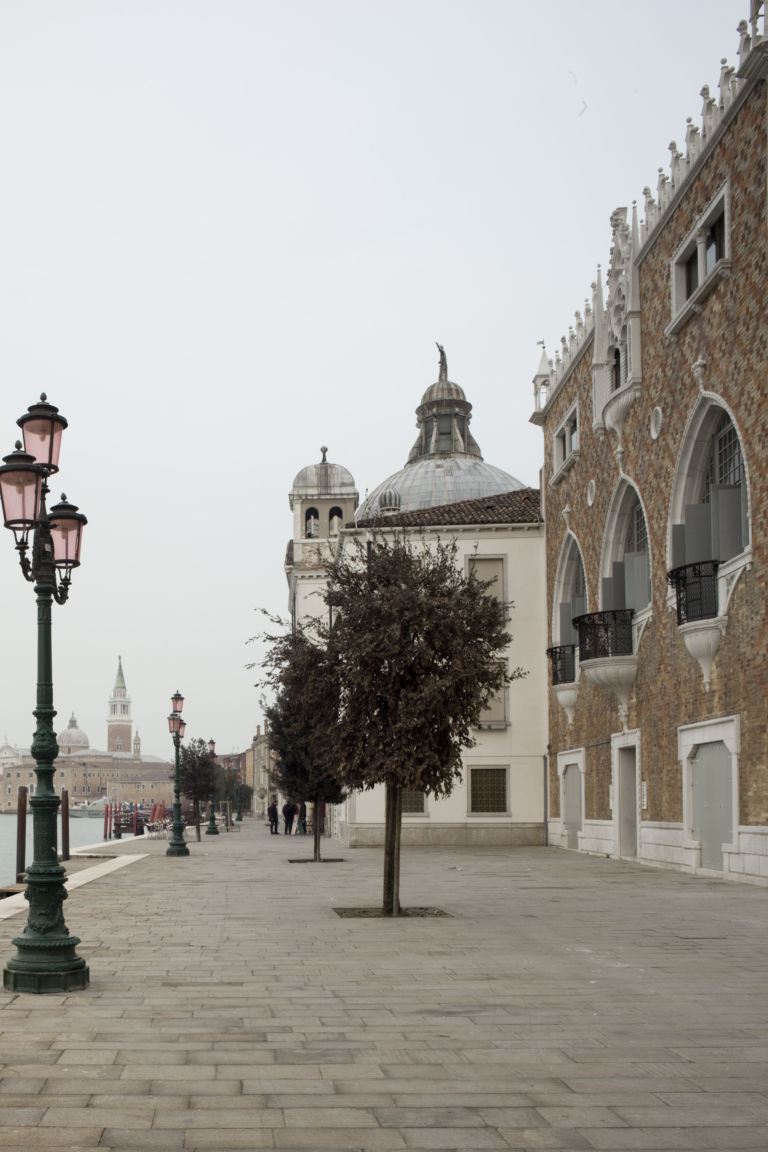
(82, 833)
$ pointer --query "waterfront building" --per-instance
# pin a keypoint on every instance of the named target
(447, 491)
(655, 421)
(89, 774)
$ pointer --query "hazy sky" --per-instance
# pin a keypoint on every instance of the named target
(232, 231)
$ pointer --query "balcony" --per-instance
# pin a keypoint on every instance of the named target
(563, 662)
(603, 634)
(698, 619)
(606, 655)
(695, 588)
(565, 677)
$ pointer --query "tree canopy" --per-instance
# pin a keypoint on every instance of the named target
(303, 720)
(421, 646)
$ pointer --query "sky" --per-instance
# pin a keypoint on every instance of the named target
(232, 231)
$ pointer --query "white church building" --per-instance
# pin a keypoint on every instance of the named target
(447, 491)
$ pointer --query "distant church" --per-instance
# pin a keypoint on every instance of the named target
(119, 721)
(118, 774)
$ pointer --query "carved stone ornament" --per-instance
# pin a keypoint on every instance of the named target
(699, 370)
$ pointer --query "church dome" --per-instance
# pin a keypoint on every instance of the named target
(72, 739)
(323, 479)
(445, 464)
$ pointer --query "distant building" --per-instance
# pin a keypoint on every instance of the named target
(655, 421)
(88, 774)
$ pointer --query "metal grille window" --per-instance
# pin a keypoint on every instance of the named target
(637, 532)
(413, 802)
(726, 466)
(488, 790)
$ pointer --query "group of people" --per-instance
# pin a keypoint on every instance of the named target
(291, 812)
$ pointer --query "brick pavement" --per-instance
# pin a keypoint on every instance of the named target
(568, 1003)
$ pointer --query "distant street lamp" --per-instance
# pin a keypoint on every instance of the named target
(45, 959)
(212, 830)
(177, 845)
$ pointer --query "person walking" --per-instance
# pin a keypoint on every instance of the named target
(289, 815)
(302, 820)
(273, 819)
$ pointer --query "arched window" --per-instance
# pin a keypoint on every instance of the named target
(710, 518)
(311, 523)
(570, 593)
(335, 519)
(570, 601)
(626, 571)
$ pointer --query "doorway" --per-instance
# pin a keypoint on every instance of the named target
(572, 805)
(626, 774)
(712, 802)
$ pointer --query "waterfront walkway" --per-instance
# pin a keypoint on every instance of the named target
(566, 1003)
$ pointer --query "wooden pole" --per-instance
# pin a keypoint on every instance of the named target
(64, 824)
(21, 834)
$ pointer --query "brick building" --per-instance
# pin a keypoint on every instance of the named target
(655, 490)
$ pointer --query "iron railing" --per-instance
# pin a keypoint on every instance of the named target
(563, 661)
(605, 634)
(695, 586)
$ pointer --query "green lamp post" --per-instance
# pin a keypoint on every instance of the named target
(177, 846)
(239, 805)
(45, 960)
(212, 830)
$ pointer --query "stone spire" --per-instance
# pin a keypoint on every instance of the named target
(119, 721)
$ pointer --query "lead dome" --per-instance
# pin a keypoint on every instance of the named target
(445, 464)
(72, 739)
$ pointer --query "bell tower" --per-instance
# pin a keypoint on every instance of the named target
(119, 722)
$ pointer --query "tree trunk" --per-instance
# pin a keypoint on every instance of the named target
(316, 829)
(397, 830)
(392, 813)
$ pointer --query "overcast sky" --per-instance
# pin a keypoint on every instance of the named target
(231, 231)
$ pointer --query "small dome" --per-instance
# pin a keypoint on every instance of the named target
(323, 479)
(72, 739)
(443, 390)
(389, 501)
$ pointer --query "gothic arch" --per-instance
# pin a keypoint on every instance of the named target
(625, 563)
(710, 506)
(569, 594)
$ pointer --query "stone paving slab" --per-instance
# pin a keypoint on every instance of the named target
(567, 1003)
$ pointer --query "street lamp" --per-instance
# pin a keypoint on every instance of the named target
(177, 845)
(45, 959)
(212, 830)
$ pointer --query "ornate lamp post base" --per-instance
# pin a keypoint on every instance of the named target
(177, 849)
(50, 965)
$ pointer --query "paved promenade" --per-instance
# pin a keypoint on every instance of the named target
(567, 1003)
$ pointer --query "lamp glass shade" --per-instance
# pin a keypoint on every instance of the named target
(182, 728)
(66, 525)
(42, 427)
(20, 489)
(177, 701)
(174, 723)
(212, 747)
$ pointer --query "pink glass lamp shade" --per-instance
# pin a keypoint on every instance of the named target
(21, 481)
(42, 427)
(177, 701)
(175, 724)
(66, 525)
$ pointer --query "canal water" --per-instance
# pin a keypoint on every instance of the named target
(82, 832)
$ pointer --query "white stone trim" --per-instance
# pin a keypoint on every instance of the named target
(689, 737)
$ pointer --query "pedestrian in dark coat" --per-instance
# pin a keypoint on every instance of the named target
(273, 819)
(289, 815)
